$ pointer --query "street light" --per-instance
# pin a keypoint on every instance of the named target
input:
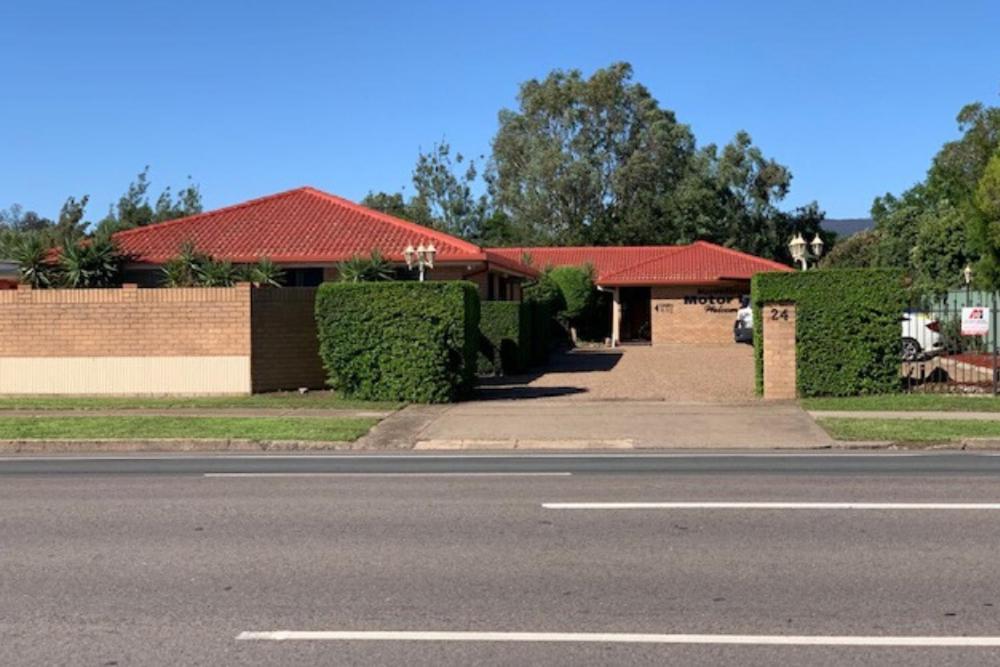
(800, 250)
(422, 256)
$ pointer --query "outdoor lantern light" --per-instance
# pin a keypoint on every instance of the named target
(797, 246)
(967, 274)
(817, 247)
(422, 256)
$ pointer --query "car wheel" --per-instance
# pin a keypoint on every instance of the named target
(911, 349)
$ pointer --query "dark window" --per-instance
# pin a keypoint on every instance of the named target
(307, 277)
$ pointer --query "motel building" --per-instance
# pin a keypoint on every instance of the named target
(660, 294)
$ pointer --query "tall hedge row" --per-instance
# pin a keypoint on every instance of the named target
(506, 329)
(399, 341)
(847, 328)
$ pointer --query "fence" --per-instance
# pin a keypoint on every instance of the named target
(940, 352)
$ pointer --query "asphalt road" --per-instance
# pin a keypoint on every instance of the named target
(149, 561)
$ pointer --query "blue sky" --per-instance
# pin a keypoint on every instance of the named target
(251, 98)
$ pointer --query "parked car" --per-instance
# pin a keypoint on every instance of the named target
(743, 326)
(921, 335)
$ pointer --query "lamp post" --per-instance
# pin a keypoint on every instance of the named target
(967, 277)
(801, 250)
(422, 256)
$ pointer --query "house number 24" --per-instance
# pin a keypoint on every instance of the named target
(781, 314)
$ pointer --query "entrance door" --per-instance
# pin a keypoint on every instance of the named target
(635, 326)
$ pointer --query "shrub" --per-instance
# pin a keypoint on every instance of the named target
(847, 328)
(576, 286)
(505, 340)
(399, 341)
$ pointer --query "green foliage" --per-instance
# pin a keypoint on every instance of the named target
(399, 341)
(31, 252)
(371, 269)
(93, 263)
(134, 208)
(941, 224)
(505, 343)
(264, 273)
(191, 268)
(596, 160)
(847, 328)
(855, 252)
(576, 289)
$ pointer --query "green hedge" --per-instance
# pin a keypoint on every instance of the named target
(505, 341)
(399, 341)
(847, 328)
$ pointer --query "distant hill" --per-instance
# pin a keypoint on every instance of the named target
(844, 227)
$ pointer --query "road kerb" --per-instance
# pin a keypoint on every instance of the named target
(523, 444)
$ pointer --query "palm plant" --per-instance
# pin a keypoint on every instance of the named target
(186, 269)
(374, 268)
(31, 252)
(216, 273)
(264, 273)
(92, 263)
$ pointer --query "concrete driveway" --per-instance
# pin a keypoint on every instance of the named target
(569, 424)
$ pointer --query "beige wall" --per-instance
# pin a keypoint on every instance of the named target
(695, 314)
(285, 347)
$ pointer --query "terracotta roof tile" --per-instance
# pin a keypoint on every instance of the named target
(302, 225)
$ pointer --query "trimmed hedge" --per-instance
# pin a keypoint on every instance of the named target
(505, 341)
(399, 341)
(847, 328)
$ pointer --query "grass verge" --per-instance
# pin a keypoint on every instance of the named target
(909, 430)
(141, 428)
(282, 400)
(906, 403)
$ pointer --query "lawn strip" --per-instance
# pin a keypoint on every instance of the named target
(906, 403)
(284, 400)
(909, 430)
(150, 427)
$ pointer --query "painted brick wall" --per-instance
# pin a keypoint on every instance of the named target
(127, 321)
(694, 314)
(285, 347)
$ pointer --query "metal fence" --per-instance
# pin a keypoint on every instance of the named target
(950, 345)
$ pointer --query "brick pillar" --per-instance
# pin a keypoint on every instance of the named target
(779, 351)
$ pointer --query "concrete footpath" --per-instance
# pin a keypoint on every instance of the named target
(551, 424)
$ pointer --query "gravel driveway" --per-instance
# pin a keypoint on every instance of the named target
(696, 373)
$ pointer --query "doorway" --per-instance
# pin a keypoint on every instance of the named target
(635, 324)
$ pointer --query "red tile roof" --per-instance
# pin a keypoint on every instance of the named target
(304, 225)
(307, 225)
(699, 263)
(605, 260)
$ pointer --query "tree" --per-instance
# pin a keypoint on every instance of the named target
(135, 210)
(444, 189)
(855, 252)
(395, 204)
(985, 223)
(580, 153)
(941, 250)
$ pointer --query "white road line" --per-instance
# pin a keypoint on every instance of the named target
(618, 638)
(771, 506)
(388, 474)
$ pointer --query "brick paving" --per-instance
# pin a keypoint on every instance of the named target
(712, 373)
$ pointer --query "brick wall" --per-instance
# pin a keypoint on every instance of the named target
(694, 314)
(125, 341)
(127, 321)
(779, 351)
(285, 347)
